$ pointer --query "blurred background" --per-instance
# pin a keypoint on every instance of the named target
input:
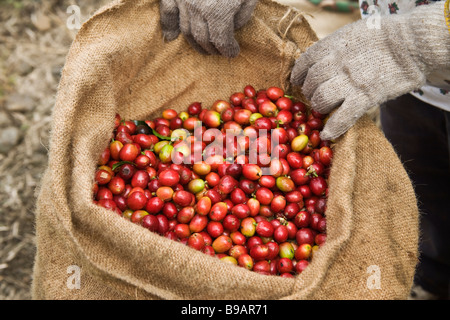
(35, 37)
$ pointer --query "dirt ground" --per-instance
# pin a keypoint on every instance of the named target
(35, 37)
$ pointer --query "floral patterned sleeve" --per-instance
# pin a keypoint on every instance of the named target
(437, 94)
(385, 7)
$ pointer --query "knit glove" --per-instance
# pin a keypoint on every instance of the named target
(359, 67)
(208, 25)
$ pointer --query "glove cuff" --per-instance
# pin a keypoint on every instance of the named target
(431, 36)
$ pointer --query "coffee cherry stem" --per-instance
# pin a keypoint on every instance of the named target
(311, 172)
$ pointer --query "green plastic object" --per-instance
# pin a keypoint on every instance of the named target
(339, 6)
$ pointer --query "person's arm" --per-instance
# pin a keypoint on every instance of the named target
(208, 25)
(359, 66)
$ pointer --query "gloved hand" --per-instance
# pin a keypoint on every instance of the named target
(208, 25)
(359, 67)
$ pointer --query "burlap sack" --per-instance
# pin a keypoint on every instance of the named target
(119, 63)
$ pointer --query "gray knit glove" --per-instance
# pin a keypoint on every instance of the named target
(208, 25)
(359, 67)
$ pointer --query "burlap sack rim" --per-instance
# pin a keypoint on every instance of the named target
(299, 282)
(61, 201)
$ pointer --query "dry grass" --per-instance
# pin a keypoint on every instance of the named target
(34, 41)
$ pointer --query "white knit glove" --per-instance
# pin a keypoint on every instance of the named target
(208, 25)
(358, 67)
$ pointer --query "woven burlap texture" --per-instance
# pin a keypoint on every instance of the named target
(119, 63)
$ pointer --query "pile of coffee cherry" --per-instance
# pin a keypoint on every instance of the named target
(244, 180)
